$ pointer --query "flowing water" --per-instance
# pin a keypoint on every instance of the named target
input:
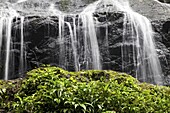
(90, 38)
(6, 16)
(85, 51)
(141, 39)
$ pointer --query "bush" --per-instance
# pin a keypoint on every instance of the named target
(54, 90)
(8, 89)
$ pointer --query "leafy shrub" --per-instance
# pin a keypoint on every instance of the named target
(8, 89)
(54, 90)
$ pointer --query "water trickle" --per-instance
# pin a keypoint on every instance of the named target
(1, 32)
(22, 68)
(91, 55)
(8, 24)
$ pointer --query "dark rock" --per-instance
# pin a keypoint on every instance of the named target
(162, 38)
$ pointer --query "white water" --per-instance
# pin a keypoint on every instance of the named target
(140, 42)
(22, 48)
(91, 49)
(20, 1)
(90, 38)
(62, 40)
(6, 21)
(8, 24)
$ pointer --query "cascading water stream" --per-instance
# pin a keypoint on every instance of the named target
(73, 43)
(7, 17)
(90, 37)
(62, 40)
(8, 24)
(86, 17)
(21, 71)
(61, 36)
(140, 41)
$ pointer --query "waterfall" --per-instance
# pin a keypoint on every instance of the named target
(7, 17)
(140, 41)
(62, 40)
(21, 68)
(8, 24)
(90, 38)
(145, 58)
(81, 46)
(91, 54)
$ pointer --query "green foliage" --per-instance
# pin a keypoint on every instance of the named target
(7, 91)
(54, 90)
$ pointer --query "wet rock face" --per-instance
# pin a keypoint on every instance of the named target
(162, 38)
(42, 44)
(111, 52)
(110, 40)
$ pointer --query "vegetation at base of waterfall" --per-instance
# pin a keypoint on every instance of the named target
(54, 90)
